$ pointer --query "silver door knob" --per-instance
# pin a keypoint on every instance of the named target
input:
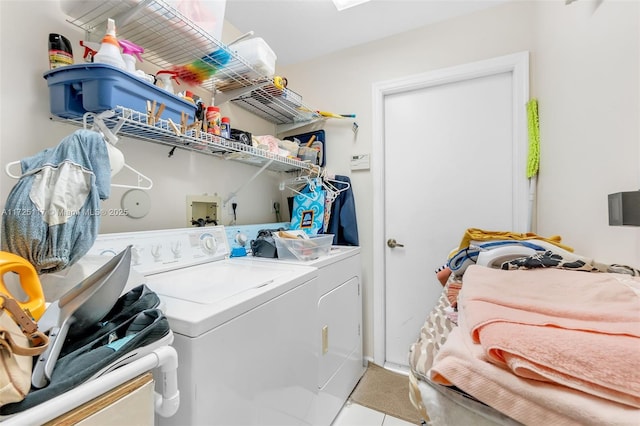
(393, 243)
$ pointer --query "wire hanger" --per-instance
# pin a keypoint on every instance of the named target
(109, 137)
(329, 185)
(300, 182)
(315, 177)
(331, 182)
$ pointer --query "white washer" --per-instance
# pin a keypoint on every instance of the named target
(244, 332)
(339, 322)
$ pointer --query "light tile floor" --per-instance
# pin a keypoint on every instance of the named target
(358, 415)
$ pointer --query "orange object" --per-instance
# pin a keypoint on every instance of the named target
(213, 120)
(443, 275)
(29, 281)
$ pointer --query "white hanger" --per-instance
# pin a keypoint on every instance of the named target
(115, 154)
(111, 140)
(8, 172)
(104, 133)
(294, 183)
(329, 184)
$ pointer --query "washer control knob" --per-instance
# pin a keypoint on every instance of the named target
(176, 249)
(136, 254)
(241, 239)
(209, 244)
(156, 252)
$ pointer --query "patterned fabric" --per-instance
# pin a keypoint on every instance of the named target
(623, 269)
(548, 259)
(433, 334)
(459, 261)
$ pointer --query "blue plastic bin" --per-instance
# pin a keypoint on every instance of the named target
(77, 89)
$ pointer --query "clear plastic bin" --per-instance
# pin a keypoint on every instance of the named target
(303, 248)
(258, 54)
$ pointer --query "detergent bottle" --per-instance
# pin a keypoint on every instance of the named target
(109, 52)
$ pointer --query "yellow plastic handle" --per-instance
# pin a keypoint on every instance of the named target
(29, 281)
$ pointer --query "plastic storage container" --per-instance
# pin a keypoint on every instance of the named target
(303, 248)
(308, 154)
(77, 89)
(258, 54)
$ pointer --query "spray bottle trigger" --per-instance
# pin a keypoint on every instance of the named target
(130, 48)
(90, 49)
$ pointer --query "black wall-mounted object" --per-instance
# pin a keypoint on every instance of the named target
(624, 208)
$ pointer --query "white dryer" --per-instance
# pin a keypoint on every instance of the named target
(339, 316)
(245, 332)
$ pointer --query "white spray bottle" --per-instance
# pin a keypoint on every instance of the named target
(109, 52)
(130, 51)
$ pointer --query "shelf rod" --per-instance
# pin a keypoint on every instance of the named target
(123, 18)
(251, 179)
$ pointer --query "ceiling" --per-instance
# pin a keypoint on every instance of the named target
(299, 30)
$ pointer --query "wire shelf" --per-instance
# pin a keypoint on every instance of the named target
(169, 38)
(135, 124)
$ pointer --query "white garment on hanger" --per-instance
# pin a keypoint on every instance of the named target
(116, 159)
(60, 192)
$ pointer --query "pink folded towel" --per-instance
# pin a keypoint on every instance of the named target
(462, 363)
(576, 329)
(601, 365)
(599, 302)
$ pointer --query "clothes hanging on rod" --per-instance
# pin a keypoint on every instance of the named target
(52, 214)
(338, 206)
(343, 223)
(116, 158)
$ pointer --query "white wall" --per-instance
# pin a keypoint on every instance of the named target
(585, 74)
(26, 129)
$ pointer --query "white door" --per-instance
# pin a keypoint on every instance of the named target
(453, 151)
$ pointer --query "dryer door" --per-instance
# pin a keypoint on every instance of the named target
(339, 323)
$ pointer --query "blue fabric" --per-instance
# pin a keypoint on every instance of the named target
(25, 231)
(343, 223)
